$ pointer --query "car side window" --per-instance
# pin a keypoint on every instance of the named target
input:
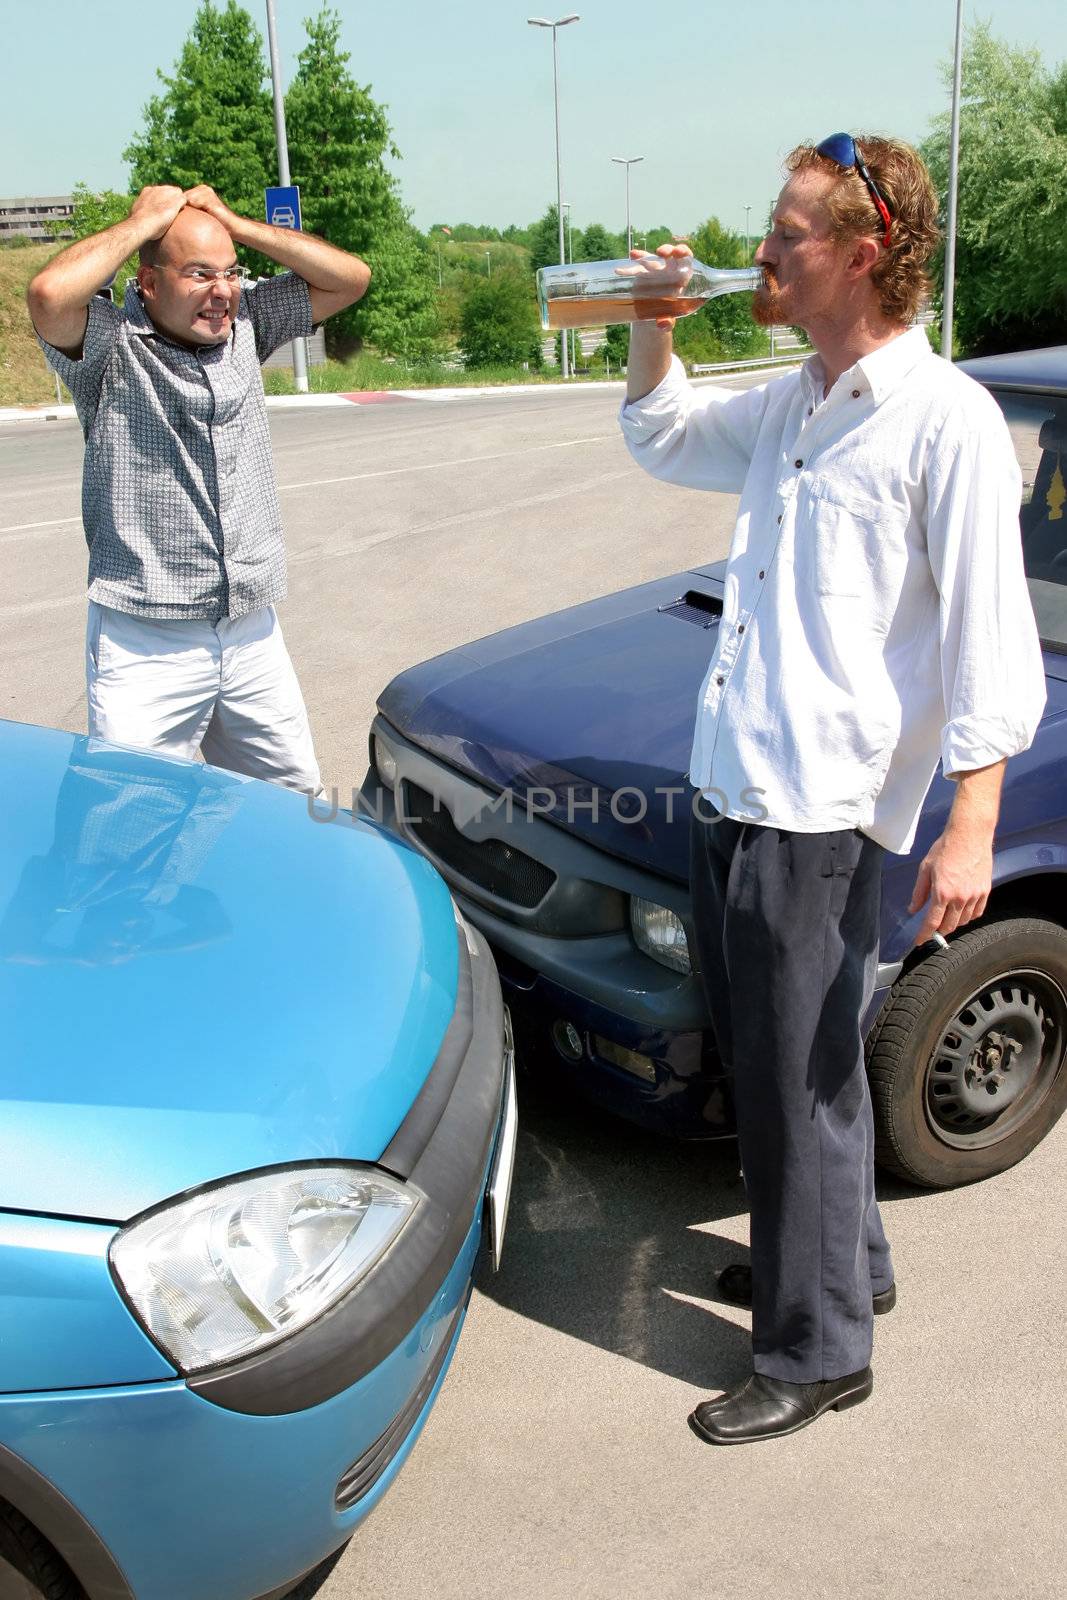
(1038, 427)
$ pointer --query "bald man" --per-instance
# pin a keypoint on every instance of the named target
(186, 560)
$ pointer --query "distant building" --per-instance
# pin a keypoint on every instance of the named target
(29, 215)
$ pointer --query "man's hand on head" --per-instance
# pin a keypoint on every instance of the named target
(204, 198)
(156, 208)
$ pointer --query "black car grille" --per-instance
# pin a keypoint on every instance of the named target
(500, 868)
(362, 1475)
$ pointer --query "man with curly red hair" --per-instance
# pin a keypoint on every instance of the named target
(875, 619)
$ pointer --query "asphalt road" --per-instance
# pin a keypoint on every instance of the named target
(557, 1462)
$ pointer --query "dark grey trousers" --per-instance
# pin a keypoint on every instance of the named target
(787, 945)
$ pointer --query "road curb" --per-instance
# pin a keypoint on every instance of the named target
(367, 397)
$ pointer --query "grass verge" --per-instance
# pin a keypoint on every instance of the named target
(25, 380)
(367, 371)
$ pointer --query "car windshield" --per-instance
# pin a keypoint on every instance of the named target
(1038, 426)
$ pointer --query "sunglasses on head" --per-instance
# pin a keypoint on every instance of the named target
(841, 147)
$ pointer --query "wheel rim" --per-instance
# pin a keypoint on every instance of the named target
(996, 1060)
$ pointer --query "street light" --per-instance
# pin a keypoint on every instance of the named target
(488, 265)
(570, 232)
(627, 162)
(300, 365)
(570, 257)
(748, 210)
(948, 293)
(561, 22)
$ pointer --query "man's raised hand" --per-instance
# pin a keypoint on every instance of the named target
(156, 208)
(204, 198)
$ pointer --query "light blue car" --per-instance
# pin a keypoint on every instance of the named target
(256, 1095)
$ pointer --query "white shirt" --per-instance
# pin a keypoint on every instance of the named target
(875, 614)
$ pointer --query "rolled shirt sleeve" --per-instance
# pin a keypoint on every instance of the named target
(993, 678)
(280, 310)
(699, 438)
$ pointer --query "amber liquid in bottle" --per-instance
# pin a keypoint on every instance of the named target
(590, 294)
(593, 311)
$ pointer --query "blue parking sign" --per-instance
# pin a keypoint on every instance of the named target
(283, 206)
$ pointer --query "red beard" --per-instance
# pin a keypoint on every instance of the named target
(766, 304)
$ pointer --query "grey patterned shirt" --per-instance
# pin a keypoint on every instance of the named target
(178, 498)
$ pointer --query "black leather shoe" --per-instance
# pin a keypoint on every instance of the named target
(769, 1408)
(735, 1286)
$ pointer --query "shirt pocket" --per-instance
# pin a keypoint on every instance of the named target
(853, 551)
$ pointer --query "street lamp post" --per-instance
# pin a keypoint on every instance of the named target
(627, 162)
(948, 293)
(748, 233)
(300, 364)
(570, 232)
(570, 258)
(488, 265)
(561, 22)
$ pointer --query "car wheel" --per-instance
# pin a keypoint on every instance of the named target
(966, 1060)
(30, 1568)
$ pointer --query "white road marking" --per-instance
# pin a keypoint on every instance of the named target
(354, 549)
(30, 608)
(436, 466)
(23, 528)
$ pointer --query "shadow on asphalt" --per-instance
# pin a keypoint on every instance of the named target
(611, 1236)
(606, 1235)
(314, 1581)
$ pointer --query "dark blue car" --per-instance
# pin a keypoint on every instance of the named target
(543, 771)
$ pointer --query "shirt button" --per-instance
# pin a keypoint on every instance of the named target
(779, 519)
(763, 574)
(797, 463)
(720, 681)
(810, 410)
(740, 627)
(855, 394)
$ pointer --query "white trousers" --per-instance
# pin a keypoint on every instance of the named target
(227, 689)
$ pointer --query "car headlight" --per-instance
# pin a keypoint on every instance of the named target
(248, 1262)
(660, 934)
(385, 761)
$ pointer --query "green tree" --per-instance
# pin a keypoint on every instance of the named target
(1011, 264)
(615, 350)
(544, 241)
(339, 138)
(654, 237)
(597, 244)
(213, 122)
(723, 329)
(469, 232)
(498, 322)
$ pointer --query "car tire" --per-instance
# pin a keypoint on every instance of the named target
(966, 1060)
(30, 1568)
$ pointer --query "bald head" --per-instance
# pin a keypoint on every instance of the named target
(192, 236)
(182, 282)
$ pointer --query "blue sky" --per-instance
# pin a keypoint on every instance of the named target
(710, 92)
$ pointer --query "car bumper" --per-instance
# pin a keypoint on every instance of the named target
(186, 1498)
(642, 1045)
(234, 1484)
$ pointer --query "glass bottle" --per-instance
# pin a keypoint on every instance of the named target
(589, 294)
